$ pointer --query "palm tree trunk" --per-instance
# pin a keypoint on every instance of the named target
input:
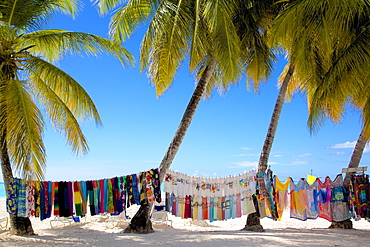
(353, 163)
(357, 154)
(253, 223)
(141, 223)
(18, 225)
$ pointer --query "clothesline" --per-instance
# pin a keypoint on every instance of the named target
(44, 198)
(195, 197)
(226, 198)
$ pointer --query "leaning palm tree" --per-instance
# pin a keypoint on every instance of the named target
(311, 50)
(203, 31)
(329, 47)
(31, 86)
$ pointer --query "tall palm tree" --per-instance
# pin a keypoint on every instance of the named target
(329, 46)
(31, 86)
(206, 33)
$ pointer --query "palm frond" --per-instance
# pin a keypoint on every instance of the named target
(55, 44)
(70, 92)
(61, 116)
(168, 46)
(226, 46)
(32, 14)
(351, 65)
(128, 17)
(23, 124)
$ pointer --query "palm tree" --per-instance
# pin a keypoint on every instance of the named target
(329, 47)
(204, 31)
(31, 86)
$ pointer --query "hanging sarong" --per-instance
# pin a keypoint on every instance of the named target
(30, 200)
(339, 200)
(298, 200)
(50, 199)
(324, 197)
(70, 198)
(312, 195)
(90, 192)
(77, 198)
(110, 197)
(12, 197)
(22, 198)
(135, 190)
(102, 196)
(187, 214)
(219, 208)
(37, 199)
(149, 187)
(42, 201)
(205, 208)
(156, 185)
(56, 198)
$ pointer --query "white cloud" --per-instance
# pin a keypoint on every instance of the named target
(277, 155)
(246, 163)
(272, 163)
(339, 153)
(245, 148)
(304, 155)
(344, 145)
(296, 163)
(349, 145)
(241, 155)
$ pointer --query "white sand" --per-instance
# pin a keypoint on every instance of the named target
(98, 231)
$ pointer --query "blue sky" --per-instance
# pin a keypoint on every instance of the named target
(225, 136)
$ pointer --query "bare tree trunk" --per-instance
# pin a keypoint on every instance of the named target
(18, 225)
(140, 223)
(354, 163)
(252, 224)
(356, 154)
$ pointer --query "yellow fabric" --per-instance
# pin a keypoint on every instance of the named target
(195, 208)
(311, 179)
(281, 190)
(281, 186)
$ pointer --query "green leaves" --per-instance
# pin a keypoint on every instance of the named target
(328, 42)
(31, 85)
(55, 44)
(195, 29)
(33, 13)
(23, 124)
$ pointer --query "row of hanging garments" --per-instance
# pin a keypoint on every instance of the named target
(328, 199)
(209, 198)
(42, 199)
(359, 196)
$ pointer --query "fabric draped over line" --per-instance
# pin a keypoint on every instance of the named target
(230, 197)
(304, 201)
(209, 198)
(43, 199)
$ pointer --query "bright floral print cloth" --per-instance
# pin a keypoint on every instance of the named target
(12, 197)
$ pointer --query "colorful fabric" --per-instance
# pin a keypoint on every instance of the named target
(12, 197)
(77, 198)
(37, 199)
(56, 198)
(324, 197)
(298, 200)
(149, 186)
(281, 196)
(22, 193)
(110, 197)
(30, 201)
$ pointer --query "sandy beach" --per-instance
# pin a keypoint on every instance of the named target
(106, 231)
